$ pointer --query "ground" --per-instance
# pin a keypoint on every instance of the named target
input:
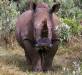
(67, 61)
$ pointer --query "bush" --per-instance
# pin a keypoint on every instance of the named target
(75, 26)
(69, 9)
(8, 13)
(64, 32)
(69, 28)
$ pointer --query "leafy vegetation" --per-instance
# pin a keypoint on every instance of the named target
(8, 14)
(75, 27)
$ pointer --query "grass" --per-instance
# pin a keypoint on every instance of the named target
(67, 61)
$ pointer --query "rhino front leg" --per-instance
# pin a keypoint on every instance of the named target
(47, 57)
(33, 57)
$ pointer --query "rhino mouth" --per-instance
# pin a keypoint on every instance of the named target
(44, 42)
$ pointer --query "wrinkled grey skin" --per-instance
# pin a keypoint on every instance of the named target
(29, 26)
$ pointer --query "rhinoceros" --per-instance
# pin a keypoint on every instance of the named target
(37, 35)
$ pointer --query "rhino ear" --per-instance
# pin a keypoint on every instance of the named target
(34, 6)
(55, 8)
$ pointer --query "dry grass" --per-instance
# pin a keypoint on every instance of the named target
(13, 62)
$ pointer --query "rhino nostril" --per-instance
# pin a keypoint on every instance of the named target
(36, 45)
(50, 45)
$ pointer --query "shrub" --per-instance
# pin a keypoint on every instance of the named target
(75, 26)
(64, 32)
(8, 13)
(69, 28)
